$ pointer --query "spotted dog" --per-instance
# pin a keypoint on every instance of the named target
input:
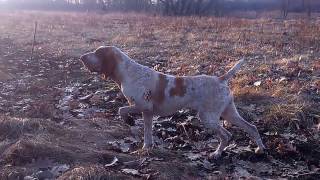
(154, 93)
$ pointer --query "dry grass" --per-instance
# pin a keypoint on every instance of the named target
(292, 116)
(92, 172)
(283, 54)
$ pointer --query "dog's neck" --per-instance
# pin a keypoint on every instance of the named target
(124, 70)
(115, 76)
(116, 73)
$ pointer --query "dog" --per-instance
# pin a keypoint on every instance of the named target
(154, 93)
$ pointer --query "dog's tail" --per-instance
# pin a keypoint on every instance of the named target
(232, 71)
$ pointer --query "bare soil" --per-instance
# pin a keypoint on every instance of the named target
(57, 121)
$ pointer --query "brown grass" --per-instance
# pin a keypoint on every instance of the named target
(92, 172)
(283, 54)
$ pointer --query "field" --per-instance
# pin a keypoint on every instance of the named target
(59, 121)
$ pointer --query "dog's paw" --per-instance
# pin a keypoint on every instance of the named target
(142, 152)
(259, 150)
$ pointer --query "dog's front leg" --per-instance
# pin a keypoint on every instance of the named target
(148, 140)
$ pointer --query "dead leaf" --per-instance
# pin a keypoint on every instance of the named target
(257, 83)
(207, 165)
(133, 172)
(113, 163)
(60, 169)
(85, 98)
(96, 99)
(120, 146)
(241, 172)
(193, 156)
(282, 79)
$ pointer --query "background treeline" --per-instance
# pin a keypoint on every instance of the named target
(172, 7)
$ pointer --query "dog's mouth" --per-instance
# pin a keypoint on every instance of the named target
(86, 66)
(90, 68)
(91, 63)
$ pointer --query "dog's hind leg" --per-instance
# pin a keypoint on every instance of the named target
(211, 121)
(231, 114)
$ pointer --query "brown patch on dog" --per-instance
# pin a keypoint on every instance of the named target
(147, 95)
(159, 93)
(179, 88)
(110, 60)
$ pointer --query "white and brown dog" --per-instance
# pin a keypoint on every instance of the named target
(156, 94)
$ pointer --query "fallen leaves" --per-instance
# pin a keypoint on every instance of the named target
(193, 156)
(137, 173)
(54, 87)
(123, 145)
(139, 165)
(131, 172)
(5, 76)
(46, 169)
(113, 163)
(257, 83)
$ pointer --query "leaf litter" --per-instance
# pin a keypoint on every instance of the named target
(76, 113)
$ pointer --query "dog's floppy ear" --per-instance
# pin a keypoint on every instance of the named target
(108, 58)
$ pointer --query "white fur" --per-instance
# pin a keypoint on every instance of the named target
(209, 95)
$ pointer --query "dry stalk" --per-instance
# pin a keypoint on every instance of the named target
(34, 38)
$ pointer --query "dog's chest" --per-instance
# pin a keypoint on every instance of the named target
(137, 90)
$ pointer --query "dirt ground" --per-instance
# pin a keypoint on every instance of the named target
(58, 121)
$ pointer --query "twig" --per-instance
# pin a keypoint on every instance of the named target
(34, 38)
(184, 128)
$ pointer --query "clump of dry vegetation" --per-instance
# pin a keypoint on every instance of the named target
(54, 111)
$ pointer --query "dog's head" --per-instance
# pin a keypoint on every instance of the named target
(103, 60)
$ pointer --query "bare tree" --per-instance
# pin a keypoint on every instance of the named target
(102, 4)
(89, 4)
(307, 7)
(188, 7)
(172, 7)
(285, 4)
(218, 7)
